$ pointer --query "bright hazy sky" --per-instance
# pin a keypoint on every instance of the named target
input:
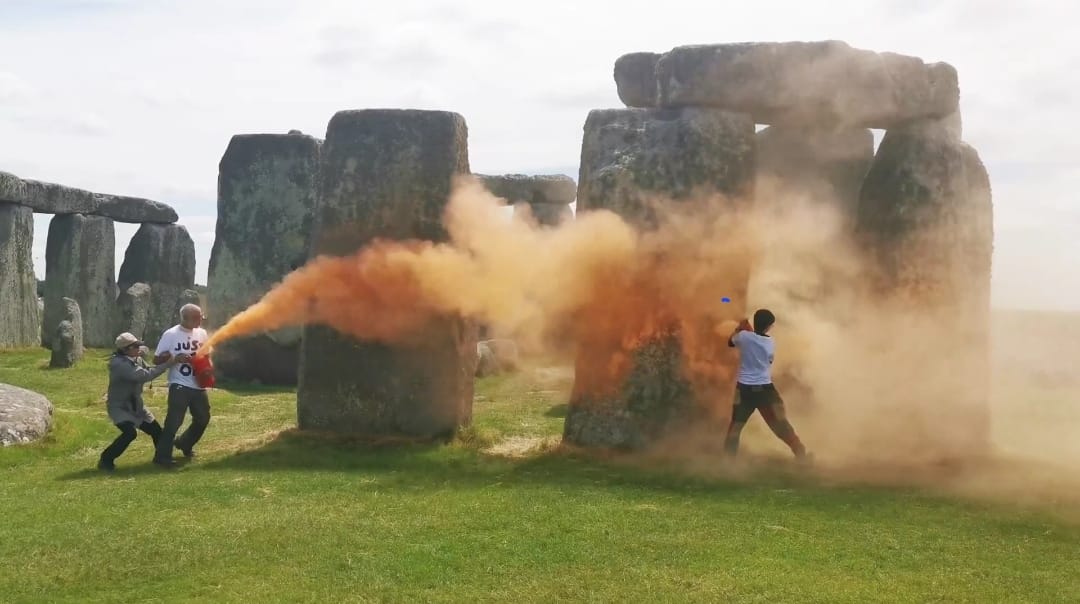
(140, 97)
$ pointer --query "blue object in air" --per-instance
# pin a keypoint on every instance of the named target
(725, 300)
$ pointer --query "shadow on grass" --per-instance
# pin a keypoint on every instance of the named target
(248, 389)
(435, 464)
(559, 410)
(123, 470)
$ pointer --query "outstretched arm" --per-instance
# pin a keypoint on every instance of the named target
(133, 372)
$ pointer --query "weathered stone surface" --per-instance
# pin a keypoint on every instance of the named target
(635, 79)
(267, 195)
(262, 359)
(80, 264)
(546, 214)
(820, 83)
(910, 195)
(653, 400)
(189, 296)
(631, 156)
(133, 310)
(632, 160)
(163, 257)
(67, 345)
(25, 416)
(50, 198)
(926, 219)
(19, 316)
(556, 189)
(388, 174)
(547, 197)
(820, 165)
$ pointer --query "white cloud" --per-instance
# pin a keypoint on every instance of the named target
(14, 90)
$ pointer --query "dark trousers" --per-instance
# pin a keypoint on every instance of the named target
(766, 400)
(182, 400)
(127, 436)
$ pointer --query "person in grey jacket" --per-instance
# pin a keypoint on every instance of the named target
(127, 374)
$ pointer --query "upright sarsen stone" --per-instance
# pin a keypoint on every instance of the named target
(632, 156)
(635, 163)
(387, 174)
(926, 223)
(19, 317)
(67, 345)
(267, 193)
(163, 257)
(133, 310)
(80, 264)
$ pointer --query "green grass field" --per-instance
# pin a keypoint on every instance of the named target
(502, 514)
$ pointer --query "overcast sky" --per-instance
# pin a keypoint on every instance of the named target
(140, 97)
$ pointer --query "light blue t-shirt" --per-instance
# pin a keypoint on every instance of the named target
(755, 358)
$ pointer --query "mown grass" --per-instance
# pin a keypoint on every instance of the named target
(267, 513)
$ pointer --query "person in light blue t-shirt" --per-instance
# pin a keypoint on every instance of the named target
(756, 391)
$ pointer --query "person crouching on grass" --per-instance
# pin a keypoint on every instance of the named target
(127, 374)
(755, 387)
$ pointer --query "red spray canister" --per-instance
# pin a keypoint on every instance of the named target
(204, 370)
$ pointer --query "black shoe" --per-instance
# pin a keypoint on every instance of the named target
(105, 465)
(188, 452)
(167, 464)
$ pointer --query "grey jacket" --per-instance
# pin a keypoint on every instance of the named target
(126, 379)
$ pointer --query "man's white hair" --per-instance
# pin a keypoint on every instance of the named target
(189, 309)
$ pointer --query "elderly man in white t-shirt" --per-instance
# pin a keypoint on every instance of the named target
(184, 391)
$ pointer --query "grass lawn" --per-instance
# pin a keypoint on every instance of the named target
(502, 514)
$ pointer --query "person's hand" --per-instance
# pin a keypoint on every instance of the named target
(744, 325)
(181, 358)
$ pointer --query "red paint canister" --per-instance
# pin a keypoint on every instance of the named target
(204, 370)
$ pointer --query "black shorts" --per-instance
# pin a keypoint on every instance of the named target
(752, 398)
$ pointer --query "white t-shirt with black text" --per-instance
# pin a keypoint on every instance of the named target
(755, 358)
(177, 340)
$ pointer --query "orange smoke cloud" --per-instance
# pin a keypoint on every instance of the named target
(594, 282)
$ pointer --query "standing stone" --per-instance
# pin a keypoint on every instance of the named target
(820, 165)
(133, 310)
(80, 264)
(925, 217)
(630, 159)
(19, 316)
(547, 197)
(267, 195)
(163, 257)
(189, 296)
(824, 83)
(630, 156)
(67, 345)
(909, 201)
(387, 174)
